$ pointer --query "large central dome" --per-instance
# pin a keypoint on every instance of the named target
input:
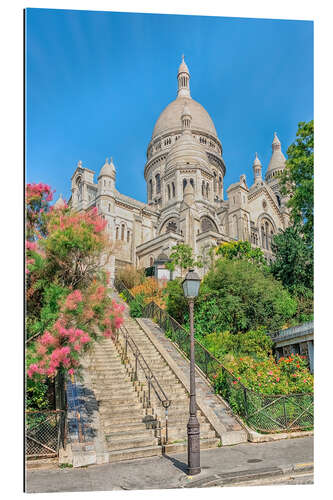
(170, 118)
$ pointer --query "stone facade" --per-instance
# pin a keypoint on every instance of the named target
(184, 173)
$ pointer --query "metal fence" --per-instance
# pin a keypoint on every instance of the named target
(264, 413)
(45, 432)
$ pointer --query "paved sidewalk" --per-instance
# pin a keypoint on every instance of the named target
(220, 466)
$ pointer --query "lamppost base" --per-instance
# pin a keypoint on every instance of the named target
(192, 471)
(193, 446)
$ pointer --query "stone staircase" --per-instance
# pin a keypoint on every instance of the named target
(128, 428)
(117, 421)
(178, 412)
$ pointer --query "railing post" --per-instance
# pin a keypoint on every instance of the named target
(245, 401)
(126, 340)
(149, 384)
(284, 412)
(136, 365)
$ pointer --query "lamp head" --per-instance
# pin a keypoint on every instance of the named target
(191, 284)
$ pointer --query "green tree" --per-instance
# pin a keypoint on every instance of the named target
(297, 178)
(293, 247)
(236, 295)
(241, 250)
(182, 256)
(176, 302)
(293, 263)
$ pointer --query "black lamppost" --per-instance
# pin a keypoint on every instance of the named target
(191, 286)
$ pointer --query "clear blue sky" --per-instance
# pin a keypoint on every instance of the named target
(96, 83)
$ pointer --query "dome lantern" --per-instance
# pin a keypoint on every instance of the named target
(183, 78)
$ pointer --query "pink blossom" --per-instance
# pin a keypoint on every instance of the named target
(84, 339)
(71, 371)
(30, 245)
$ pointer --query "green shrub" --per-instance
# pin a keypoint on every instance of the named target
(254, 343)
(176, 303)
(238, 296)
(137, 305)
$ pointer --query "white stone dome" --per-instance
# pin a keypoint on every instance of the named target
(170, 118)
(186, 150)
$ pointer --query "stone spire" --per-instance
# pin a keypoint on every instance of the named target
(277, 162)
(257, 168)
(183, 77)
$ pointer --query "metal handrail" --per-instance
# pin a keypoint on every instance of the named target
(152, 381)
(209, 365)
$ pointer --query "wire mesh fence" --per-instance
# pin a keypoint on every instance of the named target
(44, 432)
(264, 413)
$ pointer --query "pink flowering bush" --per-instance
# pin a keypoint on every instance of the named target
(85, 317)
(68, 302)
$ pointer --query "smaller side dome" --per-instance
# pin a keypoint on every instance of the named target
(108, 169)
(277, 161)
(60, 203)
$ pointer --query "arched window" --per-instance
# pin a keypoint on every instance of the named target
(266, 234)
(150, 189)
(173, 190)
(122, 231)
(236, 227)
(151, 261)
(220, 185)
(278, 200)
(128, 236)
(109, 207)
(207, 224)
(192, 183)
(207, 190)
(169, 192)
(117, 233)
(104, 182)
(262, 236)
(158, 183)
(79, 188)
(203, 188)
(215, 182)
(184, 183)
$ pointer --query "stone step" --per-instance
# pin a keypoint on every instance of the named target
(178, 428)
(116, 436)
(114, 390)
(132, 443)
(182, 434)
(118, 401)
(126, 406)
(146, 451)
(205, 444)
(118, 419)
(115, 379)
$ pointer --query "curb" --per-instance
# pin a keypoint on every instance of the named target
(230, 478)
